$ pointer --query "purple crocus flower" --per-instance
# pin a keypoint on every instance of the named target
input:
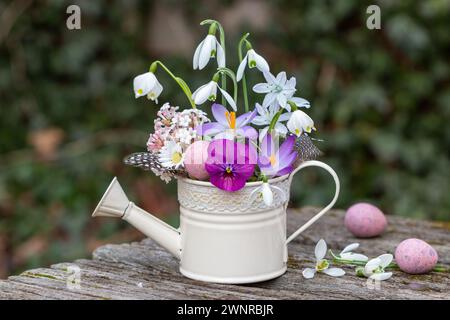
(227, 125)
(230, 164)
(274, 161)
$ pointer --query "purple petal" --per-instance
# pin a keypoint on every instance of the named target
(209, 129)
(287, 146)
(284, 171)
(266, 146)
(287, 160)
(219, 112)
(248, 132)
(244, 119)
(228, 182)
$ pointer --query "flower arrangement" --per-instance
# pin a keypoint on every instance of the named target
(257, 142)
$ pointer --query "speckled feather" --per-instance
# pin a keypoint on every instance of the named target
(306, 148)
(149, 161)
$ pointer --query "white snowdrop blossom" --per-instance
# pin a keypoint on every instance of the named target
(280, 90)
(265, 191)
(347, 253)
(209, 92)
(300, 122)
(265, 116)
(171, 155)
(374, 269)
(146, 84)
(322, 265)
(208, 48)
(252, 59)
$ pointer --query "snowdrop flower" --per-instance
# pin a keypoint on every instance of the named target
(322, 264)
(265, 116)
(265, 190)
(209, 92)
(281, 91)
(171, 155)
(252, 59)
(374, 268)
(347, 253)
(300, 122)
(207, 49)
(147, 85)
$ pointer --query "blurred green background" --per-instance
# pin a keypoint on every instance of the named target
(380, 100)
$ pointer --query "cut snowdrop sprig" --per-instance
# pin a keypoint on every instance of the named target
(322, 264)
(375, 268)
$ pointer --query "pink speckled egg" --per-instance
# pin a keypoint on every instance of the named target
(365, 220)
(195, 158)
(415, 256)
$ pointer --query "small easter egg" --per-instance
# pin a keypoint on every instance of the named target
(415, 256)
(195, 159)
(364, 220)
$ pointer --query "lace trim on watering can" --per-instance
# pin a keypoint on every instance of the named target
(204, 197)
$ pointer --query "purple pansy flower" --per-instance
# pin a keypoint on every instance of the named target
(230, 164)
(276, 161)
(227, 125)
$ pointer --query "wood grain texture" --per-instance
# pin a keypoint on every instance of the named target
(143, 270)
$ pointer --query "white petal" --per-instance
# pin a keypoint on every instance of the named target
(300, 102)
(354, 256)
(220, 53)
(262, 133)
(262, 87)
(204, 92)
(350, 247)
(386, 259)
(143, 83)
(309, 273)
(155, 92)
(197, 55)
(334, 272)
(321, 250)
(285, 116)
(267, 194)
(281, 78)
(270, 79)
(240, 70)
(381, 276)
(205, 51)
(269, 99)
(282, 100)
(371, 265)
(228, 98)
(261, 63)
(281, 128)
(259, 121)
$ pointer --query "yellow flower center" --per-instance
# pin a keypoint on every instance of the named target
(297, 132)
(140, 91)
(176, 157)
(231, 118)
(273, 160)
(322, 265)
(228, 169)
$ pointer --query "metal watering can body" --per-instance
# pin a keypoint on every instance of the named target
(223, 237)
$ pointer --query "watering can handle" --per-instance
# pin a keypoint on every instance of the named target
(314, 163)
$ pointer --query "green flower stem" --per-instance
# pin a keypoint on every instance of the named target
(274, 120)
(392, 265)
(244, 81)
(178, 80)
(227, 72)
(222, 43)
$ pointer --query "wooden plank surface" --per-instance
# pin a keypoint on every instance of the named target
(143, 270)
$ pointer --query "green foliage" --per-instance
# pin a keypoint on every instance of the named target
(380, 100)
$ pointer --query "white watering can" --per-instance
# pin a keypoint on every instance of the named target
(224, 237)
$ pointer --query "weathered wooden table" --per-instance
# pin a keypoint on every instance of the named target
(145, 271)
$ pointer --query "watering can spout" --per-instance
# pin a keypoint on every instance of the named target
(115, 203)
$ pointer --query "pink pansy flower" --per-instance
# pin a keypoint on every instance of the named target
(230, 164)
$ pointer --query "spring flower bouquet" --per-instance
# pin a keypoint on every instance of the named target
(255, 142)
